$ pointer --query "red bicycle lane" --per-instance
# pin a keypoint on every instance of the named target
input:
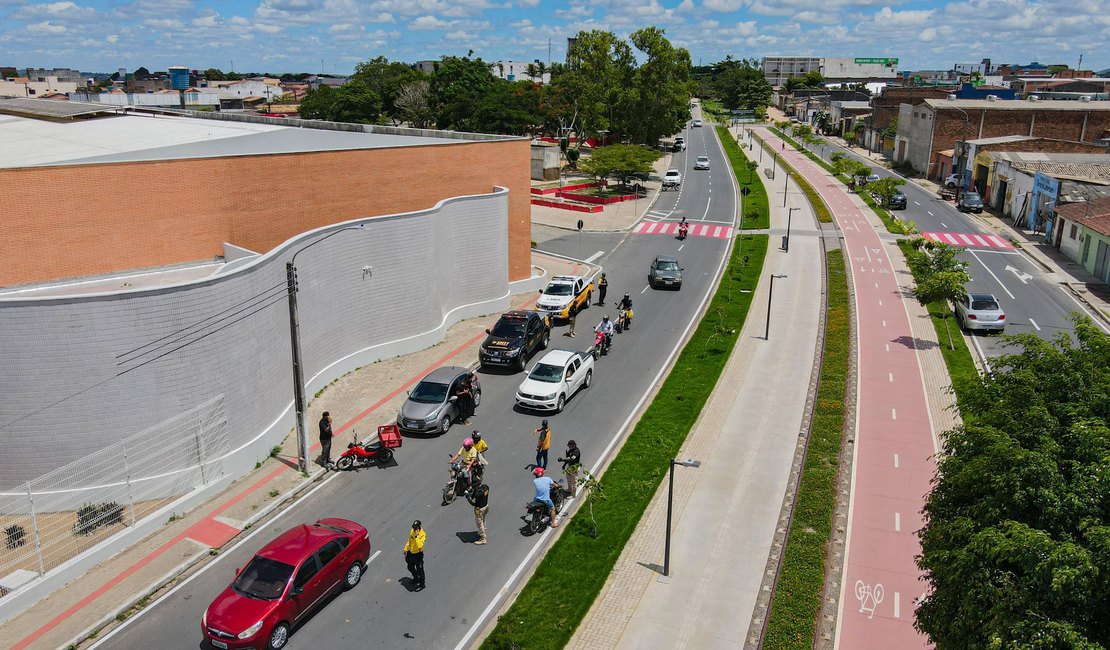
(894, 444)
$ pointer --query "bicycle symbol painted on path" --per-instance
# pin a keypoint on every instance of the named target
(869, 597)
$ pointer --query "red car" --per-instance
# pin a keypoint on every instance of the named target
(284, 581)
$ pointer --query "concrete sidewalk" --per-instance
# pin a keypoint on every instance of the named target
(359, 402)
(726, 513)
(615, 217)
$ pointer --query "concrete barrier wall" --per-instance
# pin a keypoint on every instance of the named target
(85, 371)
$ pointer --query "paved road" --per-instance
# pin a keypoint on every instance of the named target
(462, 578)
(1033, 300)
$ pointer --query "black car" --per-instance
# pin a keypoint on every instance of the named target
(897, 202)
(514, 339)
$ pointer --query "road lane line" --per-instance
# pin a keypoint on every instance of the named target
(943, 225)
(888, 347)
(681, 247)
(996, 279)
(916, 203)
(375, 555)
(1084, 308)
(593, 257)
(893, 414)
(890, 377)
(931, 214)
(897, 522)
(1035, 325)
(895, 461)
(880, 303)
(884, 323)
(897, 605)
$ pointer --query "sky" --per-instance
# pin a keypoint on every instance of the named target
(332, 36)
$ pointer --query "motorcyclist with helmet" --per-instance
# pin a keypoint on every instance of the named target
(625, 311)
(606, 327)
(472, 460)
(544, 485)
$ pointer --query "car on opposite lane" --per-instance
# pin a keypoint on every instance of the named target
(980, 311)
(702, 162)
(285, 582)
(665, 272)
(554, 379)
(969, 201)
(697, 123)
(431, 406)
(515, 337)
(897, 202)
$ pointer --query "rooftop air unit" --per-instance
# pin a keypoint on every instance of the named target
(1084, 98)
(951, 98)
(1034, 98)
(991, 98)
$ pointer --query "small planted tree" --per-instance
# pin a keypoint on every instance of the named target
(620, 160)
(885, 188)
(941, 277)
(594, 493)
(752, 166)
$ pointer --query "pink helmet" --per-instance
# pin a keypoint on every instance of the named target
(538, 472)
(468, 443)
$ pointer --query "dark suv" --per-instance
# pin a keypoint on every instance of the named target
(514, 339)
(897, 202)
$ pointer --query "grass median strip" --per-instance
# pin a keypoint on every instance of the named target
(757, 214)
(569, 578)
(797, 597)
(815, 200)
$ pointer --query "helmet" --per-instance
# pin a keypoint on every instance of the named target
(626, 295)
(606, 317)
(538, 472)
(416, 525)
(544, 423)
(477, 435)
(468, 443)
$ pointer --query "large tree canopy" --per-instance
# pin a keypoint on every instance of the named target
(740, 84)
(386, 79)
(457, 88)
(351, 102)
(1016, 542)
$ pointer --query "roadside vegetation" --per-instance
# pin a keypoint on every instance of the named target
(815, 200)
(796, 601)
(572, 573)
(757, 214)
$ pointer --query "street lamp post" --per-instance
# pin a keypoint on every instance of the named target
(299, 399)
(770, 291)
(963, 155)
(785, 188)
(774, 162)
(786, 239)
(670, 501)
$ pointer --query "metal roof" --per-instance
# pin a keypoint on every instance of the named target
(53, 109)
(1083, 167)
(1018, 104)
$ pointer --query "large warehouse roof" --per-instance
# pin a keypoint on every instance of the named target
(145, 137)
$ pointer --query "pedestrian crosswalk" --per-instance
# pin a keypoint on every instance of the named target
(671, 228)
(968, 240)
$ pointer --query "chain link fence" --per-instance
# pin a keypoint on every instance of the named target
(56, 517)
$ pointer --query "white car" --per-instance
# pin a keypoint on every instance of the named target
(697, 122)
(702, 162)
(672, 179)
(554, 379)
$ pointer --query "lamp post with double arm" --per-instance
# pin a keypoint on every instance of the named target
(963, 155)
(299, 399)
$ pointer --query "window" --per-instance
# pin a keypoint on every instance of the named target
(308, 570)
(330, 551)
(1073, 232)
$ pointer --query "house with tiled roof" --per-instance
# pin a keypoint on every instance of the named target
(1084, 229)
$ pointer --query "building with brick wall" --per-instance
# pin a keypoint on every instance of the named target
(1062, 88)
(932, 126)
(149, 252)
(1027, 186)
(885, 106)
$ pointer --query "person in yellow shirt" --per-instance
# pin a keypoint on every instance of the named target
(479, 443)
(472, 459)
(414, 554)
(543, 444)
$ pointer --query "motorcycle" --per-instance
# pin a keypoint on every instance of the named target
(601, 345)
(458, 485)
(624, 319)
(538, 515)
(365, 454)
(683, 230)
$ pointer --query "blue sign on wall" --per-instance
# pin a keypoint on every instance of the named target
(1045, 191)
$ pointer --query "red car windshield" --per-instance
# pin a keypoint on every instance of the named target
(263, 579)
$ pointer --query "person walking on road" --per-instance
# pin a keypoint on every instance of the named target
(570, 321)
(543, 444)
(479, 498)
(571, 460)
(466, 400)
(414, 554)
(602, 287)
(325, 440)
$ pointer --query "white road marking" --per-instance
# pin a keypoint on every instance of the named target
(646, 287)
(876, 285)
(893, 414)
(376, 554)
(1035, 325)
(895, 461)
(888, 347)
(897, 605)
(884, 323)
(930, 214)
(681, 247)
(897, 522)
(942, 224)
(993, 275)
(1084, 308)
(880, 302)
(890, 377)
(916, 203)
(593, 257)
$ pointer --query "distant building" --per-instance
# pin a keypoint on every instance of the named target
(427, 67)
(518, 71)
(61, 74)
(777, 69)
(26, 87)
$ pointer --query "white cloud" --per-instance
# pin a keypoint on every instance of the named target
(163, 23)
(345, 27)
(685, 5)
(928, 35)
(46, 28)
(429, 22)
(209, 19)
(528, 3)
(112, 38)
(383, 17)
(885, 17)
(460, 36)
(723, 6)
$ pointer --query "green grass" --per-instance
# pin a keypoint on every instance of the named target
(960, 363)
(757, 200)
(815, 200)
(569, 578)
(796, 602)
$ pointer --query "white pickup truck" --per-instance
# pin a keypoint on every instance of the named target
(566, 294)
(672, 179)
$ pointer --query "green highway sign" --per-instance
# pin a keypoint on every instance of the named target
(880, 61)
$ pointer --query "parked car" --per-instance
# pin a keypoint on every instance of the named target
(556, 377)
(871, 178)
(284, 582)
(980, 311)
(697, 123)
(969, 201)
(665, 272)
(897, 202)
(702, 162)
(515, 337)
(952, 180)
(431, 406)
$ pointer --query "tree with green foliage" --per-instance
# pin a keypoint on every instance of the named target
(386, 78)
(1016, 539)
(658, 103)
(752, 165)
(741, 84)
(621, 161)
(352, 102)
(885, 188)
(510, 108)
(587, 92)
(457, 87)
(811, 79)
(941, 276)
(850, 136)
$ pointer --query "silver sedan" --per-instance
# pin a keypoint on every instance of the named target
(980, 311)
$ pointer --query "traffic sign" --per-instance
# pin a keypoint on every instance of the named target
(580, 224)
(745, 191)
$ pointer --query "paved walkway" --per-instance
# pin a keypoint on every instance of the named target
(359, 401)
(615, 216)
(725, 512)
